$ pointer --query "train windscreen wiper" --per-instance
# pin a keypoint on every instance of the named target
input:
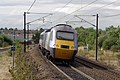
(60, 37)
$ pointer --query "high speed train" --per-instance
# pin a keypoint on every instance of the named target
(59, 43)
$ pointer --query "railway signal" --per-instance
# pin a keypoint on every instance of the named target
(13, 49)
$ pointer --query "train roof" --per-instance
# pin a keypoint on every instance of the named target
(59, 26)
(63, 24)
(43, 32)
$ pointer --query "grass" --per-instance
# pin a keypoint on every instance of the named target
(5, 62)
(24, 67)
(108, 57)
(0, 55)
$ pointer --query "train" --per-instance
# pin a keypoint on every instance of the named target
(59, 43)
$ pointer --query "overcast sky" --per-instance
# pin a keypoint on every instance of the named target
(11, 12)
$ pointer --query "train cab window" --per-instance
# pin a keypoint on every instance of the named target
(65, 35)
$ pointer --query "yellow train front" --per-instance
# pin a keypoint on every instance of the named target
(65, 49)
(61, 43)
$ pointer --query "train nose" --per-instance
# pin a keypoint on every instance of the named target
(63, 53)
(64, 50)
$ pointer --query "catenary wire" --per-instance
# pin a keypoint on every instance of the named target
(76, 10)
(51, 13)
(65, 5)
(111, 15)
(31, 5)
(106, 6)
(103, 6)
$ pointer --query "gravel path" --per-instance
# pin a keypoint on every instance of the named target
(4, 67)
(45, 70)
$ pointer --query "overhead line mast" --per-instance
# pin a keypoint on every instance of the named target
(27, 23)
(96, 30)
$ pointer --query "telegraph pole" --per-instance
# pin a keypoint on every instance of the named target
(96, 36)
(28, 33)
(24, 31)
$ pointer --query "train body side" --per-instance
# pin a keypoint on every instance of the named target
(41, 40)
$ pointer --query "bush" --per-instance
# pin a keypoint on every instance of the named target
(91, 47)
(6, 39)
(115, 48)
(9, 53)
(18, 48)
(118, 56)
(1, 40)
(5, 44)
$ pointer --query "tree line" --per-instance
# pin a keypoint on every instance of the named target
(108, 39)
(8, 28)
(5, 41)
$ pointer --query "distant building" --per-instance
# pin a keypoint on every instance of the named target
(19, 34)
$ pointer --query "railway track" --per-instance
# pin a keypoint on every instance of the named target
(74, 73)
(84, 69)
(96, 70)
(70, 72)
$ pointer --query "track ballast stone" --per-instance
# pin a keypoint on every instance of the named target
(44, 71)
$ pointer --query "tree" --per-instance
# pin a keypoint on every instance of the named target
(118, 42)
(16, 29)
(6, 28)
(108, 43)
(108, 39)
(6, 39)
(1, 29)
(36, 37)
(10, 28)
(101, 39)
(1, 40)
(115, 48)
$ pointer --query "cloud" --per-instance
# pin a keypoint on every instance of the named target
(11, 11)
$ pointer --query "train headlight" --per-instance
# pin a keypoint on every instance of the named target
(57, 45)
(72, 47)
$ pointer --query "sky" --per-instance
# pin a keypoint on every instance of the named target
(59, 11)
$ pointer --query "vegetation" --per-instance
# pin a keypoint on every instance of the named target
(118, 57)
(108, 44)
(109, 39)
(36, 37)
(5, 41)
(24, 68)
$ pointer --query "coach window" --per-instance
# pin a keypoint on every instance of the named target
(51, 35)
